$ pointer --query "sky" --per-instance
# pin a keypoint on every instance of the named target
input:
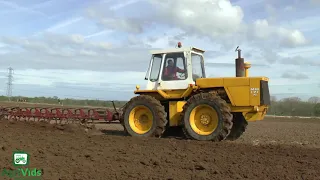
(99, 49)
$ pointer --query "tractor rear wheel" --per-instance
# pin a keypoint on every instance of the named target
(206, 116)
(239, 127)
(144, 116)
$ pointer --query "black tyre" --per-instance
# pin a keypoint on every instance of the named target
(239, 127)
(206, 117)
(144, 116)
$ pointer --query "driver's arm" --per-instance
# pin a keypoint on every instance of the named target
(180, 70)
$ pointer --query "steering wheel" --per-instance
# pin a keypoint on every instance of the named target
(182, 75)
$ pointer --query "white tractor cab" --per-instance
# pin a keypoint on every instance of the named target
(175, 68)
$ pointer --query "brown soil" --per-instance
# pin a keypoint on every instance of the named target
(270, 149)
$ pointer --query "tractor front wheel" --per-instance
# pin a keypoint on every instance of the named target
(206, 117)
(144, 116)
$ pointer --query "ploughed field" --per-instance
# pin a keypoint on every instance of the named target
(276, 148)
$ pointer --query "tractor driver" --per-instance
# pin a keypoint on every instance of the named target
(170, 72)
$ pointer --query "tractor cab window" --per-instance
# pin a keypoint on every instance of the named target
(174, 67)
(155, 67)
(197, 67)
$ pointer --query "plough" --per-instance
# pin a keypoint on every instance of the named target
(61, 115)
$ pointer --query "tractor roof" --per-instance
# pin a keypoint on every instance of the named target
(172, 50)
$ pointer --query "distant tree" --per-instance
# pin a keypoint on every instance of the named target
(291, 99)
(314, 100)
(316, 109)
(273, 99)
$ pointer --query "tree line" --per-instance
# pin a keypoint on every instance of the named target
(292, 106)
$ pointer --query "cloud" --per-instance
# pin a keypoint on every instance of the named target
(105, 17)
(315, 2)
(294, 75)
(272, 12)
(213, 18)
(56, 51)
(216, 19)
(64, 23)
(219, 20)
(128, 25)
(123, 4)
(172, 41)
(55, 44)
(299, 60)
(42, 4)
(19, 8)
(287, 38)
(98, 34)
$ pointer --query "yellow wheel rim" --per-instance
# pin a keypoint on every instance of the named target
(203, 119)
(141, 119)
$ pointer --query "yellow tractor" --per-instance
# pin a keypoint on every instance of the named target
(178, 94)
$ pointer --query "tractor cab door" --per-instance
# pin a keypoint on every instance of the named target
(153, 73)
(174, 72)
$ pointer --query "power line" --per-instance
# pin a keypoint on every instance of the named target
(9, 83)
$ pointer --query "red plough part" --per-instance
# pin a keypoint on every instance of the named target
(60, 115)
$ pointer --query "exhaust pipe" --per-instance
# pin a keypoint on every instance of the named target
(239, 62)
